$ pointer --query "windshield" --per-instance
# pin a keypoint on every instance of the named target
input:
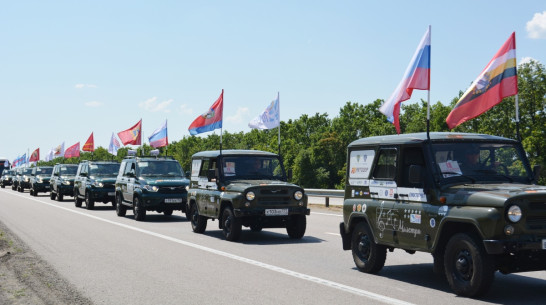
(27, 171)
(44, 171)
(253, 168)
(480, 162)
(108, 169)
(159, 168)
(68, 170)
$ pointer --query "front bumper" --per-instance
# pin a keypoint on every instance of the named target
(7, 182)
(157, 201)
(24, 184)
(65, 189)
(259, 212)
(41, 187)
(102, 194)
(513, 246)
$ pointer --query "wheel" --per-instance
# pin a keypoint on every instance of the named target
(52, 195)
(296, 226)
(231, 225)
(89, 202)
(121, 210)
(77, 200)
(19, 189)
(2, 186)
(368, 256)
(255, 227)
(198, 222)
(59, 197)
(138, 209)
(469, 269)
(13, 187)
(31, 192)
(168, 212)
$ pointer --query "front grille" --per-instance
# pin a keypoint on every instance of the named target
(537, 206)
(270, 196)
(172, 189)
(108, 185)
(536, 222)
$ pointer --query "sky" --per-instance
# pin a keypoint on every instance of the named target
(70, 68)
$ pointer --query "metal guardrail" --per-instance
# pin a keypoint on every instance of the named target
(327, 194)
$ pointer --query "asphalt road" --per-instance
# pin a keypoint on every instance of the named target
(116, 260)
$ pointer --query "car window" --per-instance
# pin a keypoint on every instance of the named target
(385, 167)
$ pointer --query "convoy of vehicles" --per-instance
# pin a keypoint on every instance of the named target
(471, 200)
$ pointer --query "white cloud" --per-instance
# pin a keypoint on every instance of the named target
(238, 116)
(524, 60)
(80, 86)
(93, 104)
(153, 105)
(184, 109)
(536, 27)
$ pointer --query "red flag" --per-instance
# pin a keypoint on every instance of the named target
(90, 144)
(131, 135)
(210, 120)
(72, 151)
(35, 156)
(498, 80)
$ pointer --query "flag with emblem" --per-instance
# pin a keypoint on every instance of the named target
(132, 135)
(210, 120)
(72, 151)
(35, 156)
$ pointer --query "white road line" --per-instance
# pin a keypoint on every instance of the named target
(330, 233)
(327, 214)
(316, 280)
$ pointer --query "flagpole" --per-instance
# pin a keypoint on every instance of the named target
(517, 118)
(222, 127)
(428, 95)
(279, 105)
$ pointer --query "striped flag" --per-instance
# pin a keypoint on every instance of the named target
(114, 145)
(417, 76)
(498, 80)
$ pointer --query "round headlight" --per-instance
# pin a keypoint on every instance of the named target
(66, 182)
(514, 213)
(298, 195)
(250, 196)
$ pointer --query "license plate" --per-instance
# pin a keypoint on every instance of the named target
(47, 187)
(173, 200)
(276, 212)
(544, 244)
(111, 193)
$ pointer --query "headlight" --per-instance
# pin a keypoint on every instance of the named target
(27, 179)
(250, 196)
(66, 182)
(151, 188)
(40, 180)
(514, 213)
(98, 184)
(298, 195)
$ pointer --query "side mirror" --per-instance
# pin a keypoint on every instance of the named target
(188, 174)
(415, 174)
(536, 171)
(211, 174)
(131, 174)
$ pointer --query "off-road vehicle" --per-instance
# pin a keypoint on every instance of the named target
(39, 179)
(62, 181)
(7, 177)
(471, 200)
(95, 182)
(244, 188)
(150, 184)
(17, 173)
(23, 180)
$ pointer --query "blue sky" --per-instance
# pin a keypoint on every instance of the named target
(70, 68)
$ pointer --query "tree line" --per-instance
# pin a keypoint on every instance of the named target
(314, 147)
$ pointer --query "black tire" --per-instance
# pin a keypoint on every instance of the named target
(77, 200)
(198, 222)
(52, 195)
(89, 202)
(2, 186)
(296, 226)
(20, 189)
(121, 210)
(468, 268)
(231, 225)
(31, 192)
(168, 212)
(138, 210)
(368, 256)
(59, 197)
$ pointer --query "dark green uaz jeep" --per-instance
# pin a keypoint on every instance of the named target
(244, 188)
(470, 200)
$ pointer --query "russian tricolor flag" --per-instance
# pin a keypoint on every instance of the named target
(417, 76)
(159, 137)
(210, 120)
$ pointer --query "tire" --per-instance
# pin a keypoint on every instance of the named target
(52, 195)
(198, 222)
(31, 192)
(168, 212)
(121, 210)
(59, 197)
(231, 225)
(368, 256)
(296, 226)
(77, 200)
(89, 202)
(138, 209)
(468, 268)
(20, 189)
(2, 186)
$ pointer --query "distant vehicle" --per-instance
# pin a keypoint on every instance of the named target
(150, 184)
(7, 177)
(23, 181)
(39, 179)
(95, 181)
(62, 181)
(471, 200)
(244, 188)
(4, 165)
(17, 172)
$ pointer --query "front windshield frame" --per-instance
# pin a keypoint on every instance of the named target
(242, 167)
(497, 162)
(162, 168)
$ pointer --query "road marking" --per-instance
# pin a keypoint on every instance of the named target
(330, 233)
(327, 214)
(316, 280)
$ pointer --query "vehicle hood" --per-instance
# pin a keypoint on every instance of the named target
(164, 181)
(104, 179)
(494, 195)
(243, 185)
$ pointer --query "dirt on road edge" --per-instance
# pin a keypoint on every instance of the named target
(27, 279)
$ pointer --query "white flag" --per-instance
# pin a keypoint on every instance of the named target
(59, 151)
(270, 118)
(114, 145)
